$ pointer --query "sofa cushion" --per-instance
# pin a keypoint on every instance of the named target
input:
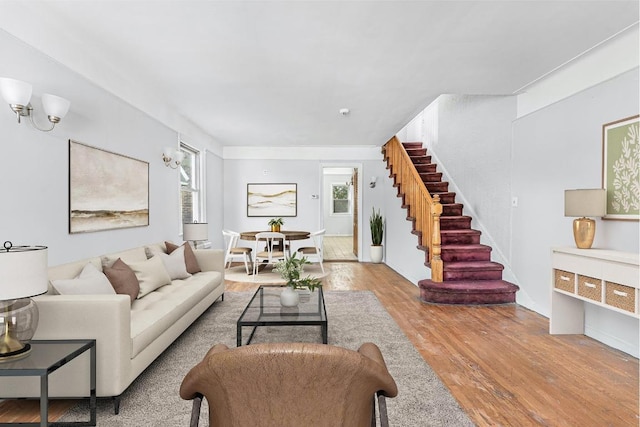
(123, 279)
(155, 249)
(154, 314)
(90, 281)
(189, 256)
(174, 264)
(128, 256)
(151, 275)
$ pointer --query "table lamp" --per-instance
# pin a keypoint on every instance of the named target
(581, 204)
(23, 274)
(195, 231)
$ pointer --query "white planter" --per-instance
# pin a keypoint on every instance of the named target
(376, 254)
(289, 297)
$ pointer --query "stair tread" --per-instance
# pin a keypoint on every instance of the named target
(472, 265)
(452, 217)
(460, 231)
(475, 286)
(469, 246)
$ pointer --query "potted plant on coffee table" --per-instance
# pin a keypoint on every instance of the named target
(376, 222)
(275, 224)
(291, 270)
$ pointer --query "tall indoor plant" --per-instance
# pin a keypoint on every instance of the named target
(376, 222)
(291, 270)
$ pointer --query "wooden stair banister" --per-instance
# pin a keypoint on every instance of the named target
(424, 209)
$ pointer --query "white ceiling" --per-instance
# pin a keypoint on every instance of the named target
(276, 73)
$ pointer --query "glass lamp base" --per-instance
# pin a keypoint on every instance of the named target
(18, 322)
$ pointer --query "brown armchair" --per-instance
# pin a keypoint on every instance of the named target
(290, 384)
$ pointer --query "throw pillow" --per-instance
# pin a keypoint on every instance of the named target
(123, 279)
(189, 257)
(174, 264)
(151, 275)
(90, 281)
(153, 250)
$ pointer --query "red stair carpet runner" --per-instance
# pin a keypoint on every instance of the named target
(470, 277)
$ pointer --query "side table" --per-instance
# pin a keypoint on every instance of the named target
(46, 356)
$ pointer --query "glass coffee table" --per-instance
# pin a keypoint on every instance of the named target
(264, 309)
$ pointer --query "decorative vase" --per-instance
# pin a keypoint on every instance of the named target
(289, 297)
(376, 254)
(275, 228)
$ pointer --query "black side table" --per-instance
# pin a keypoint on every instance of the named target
(46, 356)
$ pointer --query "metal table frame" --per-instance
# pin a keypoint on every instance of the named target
(18, 369)
(263, 318)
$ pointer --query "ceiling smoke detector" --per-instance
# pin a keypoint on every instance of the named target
(344, 111)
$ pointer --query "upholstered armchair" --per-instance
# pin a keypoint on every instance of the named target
(290, 384)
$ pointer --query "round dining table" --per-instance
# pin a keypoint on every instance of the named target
(288, 234)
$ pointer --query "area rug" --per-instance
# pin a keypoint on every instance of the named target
(239, 274)
(354, 317)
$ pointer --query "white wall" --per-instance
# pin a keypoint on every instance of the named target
(34, 188)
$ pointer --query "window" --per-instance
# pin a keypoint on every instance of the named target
(190, 185)
(341, 203)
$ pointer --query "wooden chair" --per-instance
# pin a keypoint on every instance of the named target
(235, 252)
(314, 253)
(290, 384)
(268, 249)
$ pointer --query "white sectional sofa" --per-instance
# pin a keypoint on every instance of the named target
(129, 334)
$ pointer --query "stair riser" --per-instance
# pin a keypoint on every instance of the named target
(448, 223)
(460, 239)
(412, 145)
(421, 160)
(416, 152)
(445, 198)
(465, 255)
(435, 297)
(426, 168)
(431, 177)
(473, 275)
(452, 210)
(437, 187)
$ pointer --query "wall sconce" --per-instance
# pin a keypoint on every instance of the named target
(581, 204)
(372, 182)
(172, 157)
(18, 94)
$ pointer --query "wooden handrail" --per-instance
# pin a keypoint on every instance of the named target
(423, 208)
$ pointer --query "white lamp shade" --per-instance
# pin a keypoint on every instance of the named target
(55, 106)
(23, 272)
(169, 152)
(179, 156)
(585, 203)
(195, 231)
(15, 92)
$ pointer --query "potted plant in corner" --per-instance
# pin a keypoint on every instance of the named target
(275, 224)
(291, 270)
(377, 228)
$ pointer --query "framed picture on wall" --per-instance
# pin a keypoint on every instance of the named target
(620, 168)
(106, 190)
(275, 200)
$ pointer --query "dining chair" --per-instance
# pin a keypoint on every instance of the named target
(314, 253)
(236, 252)
(269, 249)
(290, 384)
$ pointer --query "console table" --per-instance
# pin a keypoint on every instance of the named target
(605, 278)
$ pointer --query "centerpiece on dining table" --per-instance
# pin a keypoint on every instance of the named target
(291, 269)
(275, 224)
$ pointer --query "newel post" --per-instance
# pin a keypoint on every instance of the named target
(436, 261)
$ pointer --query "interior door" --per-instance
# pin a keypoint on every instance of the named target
(354, 181)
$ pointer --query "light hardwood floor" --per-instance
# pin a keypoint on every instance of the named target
(338, 248)
(499, 362)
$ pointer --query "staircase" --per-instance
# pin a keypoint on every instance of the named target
(468, 274)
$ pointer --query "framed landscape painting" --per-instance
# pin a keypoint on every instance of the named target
(620, 168)
(276, 200)
(106, 190)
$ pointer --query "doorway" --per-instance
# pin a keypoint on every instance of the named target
(340, 201)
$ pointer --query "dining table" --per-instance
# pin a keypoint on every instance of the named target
(288, 234)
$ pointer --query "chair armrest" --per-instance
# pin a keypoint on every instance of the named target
(210, 259)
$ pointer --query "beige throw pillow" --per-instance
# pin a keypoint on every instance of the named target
(151, 275)
(189, 257)
(174, 264)
(90, 281)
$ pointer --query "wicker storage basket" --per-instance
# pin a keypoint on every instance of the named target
(565, 280)
(590, 287)
(621, 296)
